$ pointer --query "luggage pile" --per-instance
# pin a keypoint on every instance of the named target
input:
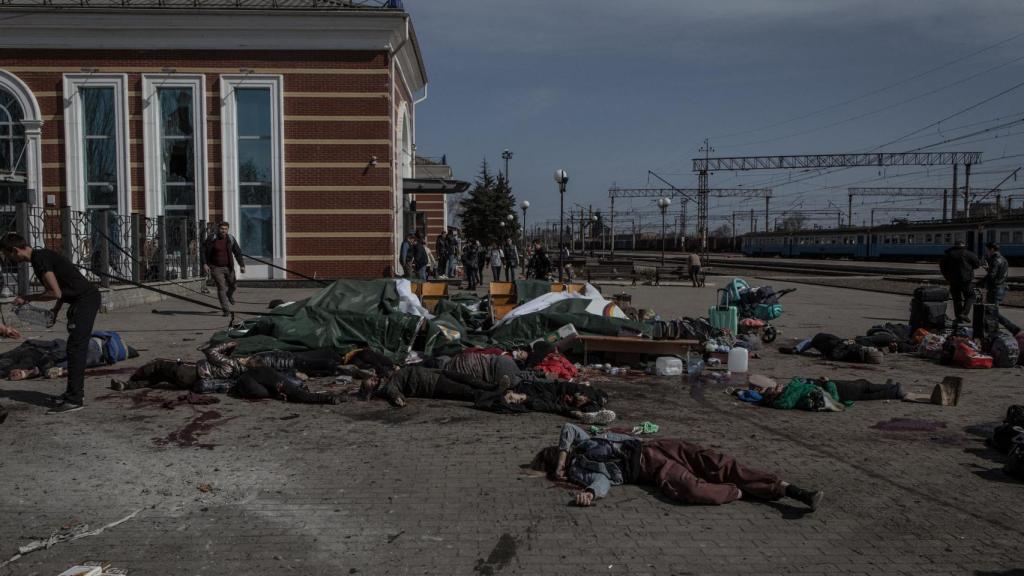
(928, 308)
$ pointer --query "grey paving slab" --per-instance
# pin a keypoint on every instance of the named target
(439, 488)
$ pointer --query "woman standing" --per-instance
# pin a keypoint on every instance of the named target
(496, 256)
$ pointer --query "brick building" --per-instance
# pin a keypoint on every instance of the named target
(294, 120)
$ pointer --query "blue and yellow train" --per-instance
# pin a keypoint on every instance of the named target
(900, 240)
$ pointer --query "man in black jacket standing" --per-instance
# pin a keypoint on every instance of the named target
(63, 283)
(219, 255)
(995, 283)
(958, 266)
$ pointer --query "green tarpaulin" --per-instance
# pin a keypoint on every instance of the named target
(345, 315)
(350, 314)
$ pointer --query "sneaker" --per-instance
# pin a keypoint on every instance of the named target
(117, 385)
(602, 417)
(65, 407)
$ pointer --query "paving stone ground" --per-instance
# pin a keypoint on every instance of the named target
(439, 488)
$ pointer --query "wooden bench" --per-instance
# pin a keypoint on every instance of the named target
(430, 293)
(634, 347)
(502, 299)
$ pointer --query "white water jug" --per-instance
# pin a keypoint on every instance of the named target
(738, 360)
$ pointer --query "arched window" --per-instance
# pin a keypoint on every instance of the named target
(12, 139)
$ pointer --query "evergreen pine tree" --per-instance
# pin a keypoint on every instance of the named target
(488, 204)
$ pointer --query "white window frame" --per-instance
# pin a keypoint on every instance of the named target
(74, 143)
(151, 139)
(229, 159)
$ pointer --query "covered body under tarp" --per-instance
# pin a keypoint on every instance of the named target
(346, 315)
(384, 315)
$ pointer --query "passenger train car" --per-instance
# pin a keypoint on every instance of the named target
(896, 241)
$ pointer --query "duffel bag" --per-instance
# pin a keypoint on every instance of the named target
(967, 356)
(1004, 350)
(767, 312)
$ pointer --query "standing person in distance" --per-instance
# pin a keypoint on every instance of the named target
(64, 284)
(695, 269)
(420, 260)
(995, 283)
(469, 264)
(442, 251)
(219, 256)
(957, 267)
(481, 261)
(495, 255)
(539, 262)
(454, 252)
(511, 260)
(405, 255)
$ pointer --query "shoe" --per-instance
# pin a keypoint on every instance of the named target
(65, 407)
(812, 498)
(117, 385)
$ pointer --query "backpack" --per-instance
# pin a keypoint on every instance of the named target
(114, 349)
(1004, 350)
(1015, 459)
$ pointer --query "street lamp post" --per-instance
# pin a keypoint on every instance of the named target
(663, 203)
(510, 218)
(524, 205)
(507, 155)
(593, 224)
(561, 178)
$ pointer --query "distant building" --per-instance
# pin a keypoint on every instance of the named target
(294, 120)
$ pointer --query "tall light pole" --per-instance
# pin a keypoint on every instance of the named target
(524, 205)
(507, 155)
(510, 218)
(593, 224)
(561, 178)
(663, 203)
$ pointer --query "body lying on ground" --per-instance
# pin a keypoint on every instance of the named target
(680, 470)
(36, 358)
(263, 375)
(528, 395)
(822, 394)
(836, 348)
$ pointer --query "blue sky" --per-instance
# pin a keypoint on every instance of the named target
(609, 90)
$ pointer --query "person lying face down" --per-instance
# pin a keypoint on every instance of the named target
(680, 470)
(247, 376)
(421, 382)
(554, 396)
(497, 369)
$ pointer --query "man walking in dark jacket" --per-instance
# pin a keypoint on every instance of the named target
(995, 283)
(219, 256)
(958, 266)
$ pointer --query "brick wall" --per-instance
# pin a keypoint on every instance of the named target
(338, 210)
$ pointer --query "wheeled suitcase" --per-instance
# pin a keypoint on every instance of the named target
(725, 317)
(985, 322)
(931, 293)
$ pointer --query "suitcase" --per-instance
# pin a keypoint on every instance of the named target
(931, 293)
(928, 315)
(985, 321)
(725, 318)
(1004, 350)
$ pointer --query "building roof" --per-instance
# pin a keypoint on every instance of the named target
(210, 4)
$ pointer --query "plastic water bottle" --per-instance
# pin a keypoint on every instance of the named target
(34, 315)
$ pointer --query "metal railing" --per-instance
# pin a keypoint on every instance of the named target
(110, 248)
